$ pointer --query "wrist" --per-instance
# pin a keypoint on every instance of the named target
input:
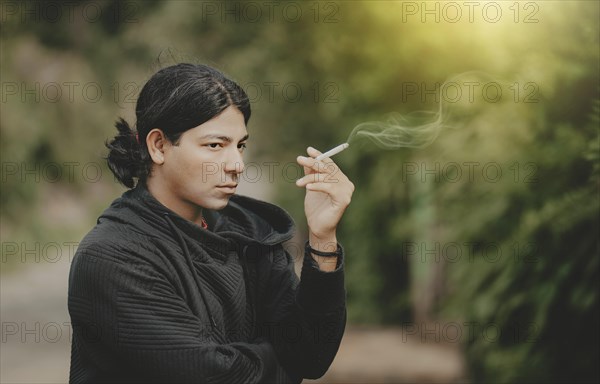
(323, 242)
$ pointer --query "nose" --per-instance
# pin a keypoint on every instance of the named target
(234, 164)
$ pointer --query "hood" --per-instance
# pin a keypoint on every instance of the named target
(243, 222)
(244, 219)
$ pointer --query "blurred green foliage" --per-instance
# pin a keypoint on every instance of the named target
(527, 240)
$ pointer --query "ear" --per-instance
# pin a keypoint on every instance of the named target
(157, 143)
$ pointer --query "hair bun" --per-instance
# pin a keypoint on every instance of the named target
(124, 156)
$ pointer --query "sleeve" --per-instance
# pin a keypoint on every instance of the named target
(306, 318)
(128, 320)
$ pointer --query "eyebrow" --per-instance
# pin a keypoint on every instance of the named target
(224, 138)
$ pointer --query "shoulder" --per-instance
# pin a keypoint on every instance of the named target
(114, 242)
(113, 258)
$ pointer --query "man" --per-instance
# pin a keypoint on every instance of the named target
(182, 280)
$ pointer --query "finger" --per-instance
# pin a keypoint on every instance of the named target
(338, 197)
(311, 165)
(316, 178)
(313, 152)
(306, 163)
(320, 187)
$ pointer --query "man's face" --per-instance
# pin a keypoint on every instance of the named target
(203, 169)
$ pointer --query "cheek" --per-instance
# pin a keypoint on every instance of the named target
(182, 169)
(190, 161)
(208, 173)
(207, 170)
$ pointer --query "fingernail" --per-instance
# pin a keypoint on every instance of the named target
(310, 148)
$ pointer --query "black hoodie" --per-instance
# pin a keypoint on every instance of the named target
(154, 297)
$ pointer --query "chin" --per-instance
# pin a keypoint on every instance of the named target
(220, 207)
(218, 204)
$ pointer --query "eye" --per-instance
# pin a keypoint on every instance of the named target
(242, 146)
(214, 145)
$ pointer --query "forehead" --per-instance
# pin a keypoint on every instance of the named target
(229, 123)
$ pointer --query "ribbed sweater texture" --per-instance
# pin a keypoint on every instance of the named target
(155, 298)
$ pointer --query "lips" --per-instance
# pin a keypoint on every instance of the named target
(228, 188)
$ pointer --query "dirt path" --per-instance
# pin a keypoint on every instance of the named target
(388, 355)
(35, 324)
(36, 340)
(36, 333)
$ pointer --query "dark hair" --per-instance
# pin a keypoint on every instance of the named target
(175, 99)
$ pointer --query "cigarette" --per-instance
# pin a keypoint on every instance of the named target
(332, 151)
